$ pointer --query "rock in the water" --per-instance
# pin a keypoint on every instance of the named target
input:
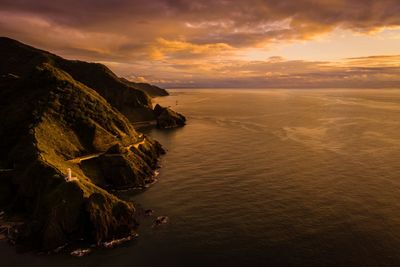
(167, 118)
(148, 212)
(160, 220)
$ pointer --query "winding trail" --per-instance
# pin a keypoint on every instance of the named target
(96, 155)
(140, 124)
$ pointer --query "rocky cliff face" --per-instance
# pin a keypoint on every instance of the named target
(167, 118)
(61, 115)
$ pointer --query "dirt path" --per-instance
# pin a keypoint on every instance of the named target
(96, 155)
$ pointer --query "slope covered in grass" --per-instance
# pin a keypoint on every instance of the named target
(129, 98)
(50, 117)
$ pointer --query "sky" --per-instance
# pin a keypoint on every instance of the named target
(220, 43)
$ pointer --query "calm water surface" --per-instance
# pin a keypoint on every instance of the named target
(269, 178)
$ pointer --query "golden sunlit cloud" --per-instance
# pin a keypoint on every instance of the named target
(225, 43)
(164, 48)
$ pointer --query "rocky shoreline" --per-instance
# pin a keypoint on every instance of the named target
(9, 234)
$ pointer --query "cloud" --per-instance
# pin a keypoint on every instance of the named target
(185, 42)
(276, 72)
(235, 23)
(182, 49)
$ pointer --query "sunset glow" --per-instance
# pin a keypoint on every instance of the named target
(270, 43)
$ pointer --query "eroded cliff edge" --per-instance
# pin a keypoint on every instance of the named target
(57, 115)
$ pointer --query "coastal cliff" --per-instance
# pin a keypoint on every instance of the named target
(61, 116)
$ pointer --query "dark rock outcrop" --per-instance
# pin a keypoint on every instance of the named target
(167, 118)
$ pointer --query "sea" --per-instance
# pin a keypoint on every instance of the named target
(267, 177)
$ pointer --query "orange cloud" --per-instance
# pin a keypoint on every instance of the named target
(276, 72)
(166, 48)
(204, 42)
(235, 23)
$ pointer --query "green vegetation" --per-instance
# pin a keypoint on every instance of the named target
(56, 110)
(19, 60)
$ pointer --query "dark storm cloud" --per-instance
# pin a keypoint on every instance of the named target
(237, 23)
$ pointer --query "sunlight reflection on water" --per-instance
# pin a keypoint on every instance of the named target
(272, 177)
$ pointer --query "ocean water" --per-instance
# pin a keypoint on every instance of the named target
(268, 178)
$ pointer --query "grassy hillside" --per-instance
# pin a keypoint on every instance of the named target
(52, 117)
(129, 98)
